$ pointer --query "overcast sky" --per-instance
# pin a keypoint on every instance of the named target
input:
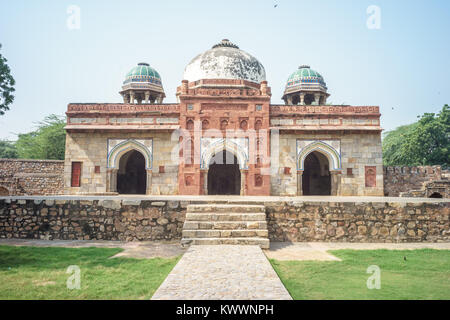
(403, 66)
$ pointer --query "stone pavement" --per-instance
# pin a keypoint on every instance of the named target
(133, 249)
(222, 272)
(318, 250)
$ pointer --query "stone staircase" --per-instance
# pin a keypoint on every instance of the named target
(216, 223)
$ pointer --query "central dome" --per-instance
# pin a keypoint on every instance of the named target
(225, 61)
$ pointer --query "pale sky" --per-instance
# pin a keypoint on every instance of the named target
(403, 67)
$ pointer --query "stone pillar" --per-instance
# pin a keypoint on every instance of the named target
(125, 98)
(300, 182)
(205, 181)
(243, 181)
(149, 181)
(289, 100)
(160, 98)
(335, 182)
(111, 182)
(147, 96)
(302, 99)
(316, 99)
(131, 97)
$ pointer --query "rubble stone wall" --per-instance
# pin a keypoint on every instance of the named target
(134, 219)
(31, 177)
(125, 220)
(405, 179)
(359, 221)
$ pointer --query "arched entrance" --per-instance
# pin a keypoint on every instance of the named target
(132, 176)
(436, 195)
(316, 175)
(224, 176)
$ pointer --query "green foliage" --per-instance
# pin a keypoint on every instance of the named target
(426, 142)
(423, 275)
(7, 83)
(47, 142)
(8, 150)
(40, 273)
(392, 142)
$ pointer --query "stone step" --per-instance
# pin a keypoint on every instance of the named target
(222, 216)
(224, 225)
(262, 242)
(226, 208)
(239, 233)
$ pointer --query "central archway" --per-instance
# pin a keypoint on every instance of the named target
(224, 177)
(132, 176)
(316, 175)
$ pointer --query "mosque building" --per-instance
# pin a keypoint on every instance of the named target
(223, 136)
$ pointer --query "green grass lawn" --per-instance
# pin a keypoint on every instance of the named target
(40, 273)
(424, 275)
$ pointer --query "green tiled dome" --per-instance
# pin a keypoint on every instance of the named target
(143, 73)
(305, 75)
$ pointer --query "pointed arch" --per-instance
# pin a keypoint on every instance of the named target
(333, 156)
(224, 145)
(123, 147)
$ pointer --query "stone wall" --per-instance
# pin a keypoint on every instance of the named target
(359, 221)
(357, 151)
(124, 220)
(31, 177)
(134, 219)
(406, 179)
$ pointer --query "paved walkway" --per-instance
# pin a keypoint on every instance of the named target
(222, 272)
(133, 249)
(318, 250)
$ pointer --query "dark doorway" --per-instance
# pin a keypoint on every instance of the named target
(132, 177)
(316, 178)
(224, 176)
(436, 195)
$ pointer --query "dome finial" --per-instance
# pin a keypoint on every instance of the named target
(304, 66)
(225, 43)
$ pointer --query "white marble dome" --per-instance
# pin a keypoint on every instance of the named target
(225, 61)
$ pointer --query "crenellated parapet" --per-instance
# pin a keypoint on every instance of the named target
(122, 116)
(328, 118)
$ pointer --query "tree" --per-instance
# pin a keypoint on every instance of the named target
(8, 150)
(426, 142)
(392, 142)
(47, 142)
(7, 83)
